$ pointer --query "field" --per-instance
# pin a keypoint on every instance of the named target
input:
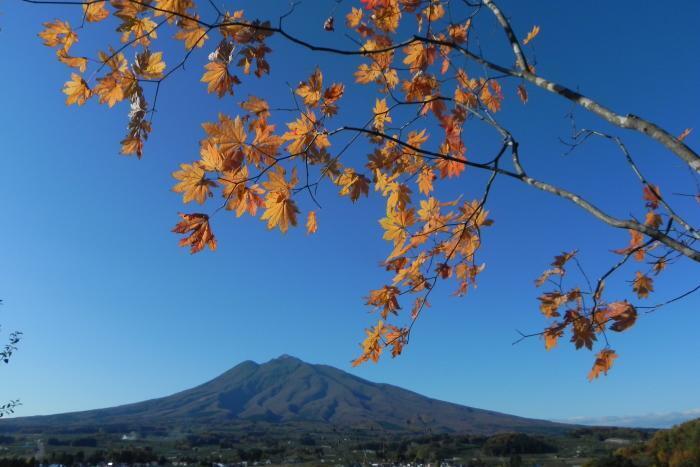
(331, 448)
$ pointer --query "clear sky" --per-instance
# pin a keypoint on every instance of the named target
(114, 311)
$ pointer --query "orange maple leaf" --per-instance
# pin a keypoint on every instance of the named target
(218, 78)
(450, 168)
(310, 90)
(623, 313)
(76, 90)
(603, 363)
(372, 345)
(258, 107)
(385, 300)
(353, 18)
(95, 12)
(642, 285)
(143, 29)
(352, 184)
(149, 65)
(57, 33)
(491, 95)
(194, 184)
(200, 234)
(191, 32)
(381, 114)
(74, 62)
(311, 223)
(652, 195)
(280, 209)
(419, 56)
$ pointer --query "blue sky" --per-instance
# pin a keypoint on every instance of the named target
(114, 311)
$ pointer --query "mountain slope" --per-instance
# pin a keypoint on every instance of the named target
(287, 390)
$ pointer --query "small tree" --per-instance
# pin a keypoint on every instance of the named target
(430, 77)
(5, 354)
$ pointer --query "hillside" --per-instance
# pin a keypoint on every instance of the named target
(288, 391)
(675, 447)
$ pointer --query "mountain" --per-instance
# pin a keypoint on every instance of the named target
(289, 392)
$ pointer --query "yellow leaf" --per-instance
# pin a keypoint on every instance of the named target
(115, 61)
(265, 145)
(367, 73)
(311, 91)
(256, 106)
(396, 225)
(194, 184)
(280, 211)
(434, 11)
(371, 346)
(149, 65)
(311, 224)
(74, 62)
(302, 134)
(211, 159)
(277, 183)
(399, 197)
(191, 32)
(397, 338)
(387, 18)
(466, 98)
(109, 90)
(179, 7)
(229, 135)
(57, 33)
(385, 300)
(241, 197)
(132, 145)
(419, 56)
(354, 17)
(218, 78)
(352, 184)
(381, 114)
(532, 34)
(143, 30)
(77, 90)
(95, 12)
(425, 180)
(126, 9)
(458, 32)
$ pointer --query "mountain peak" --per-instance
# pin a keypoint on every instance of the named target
(286, 356)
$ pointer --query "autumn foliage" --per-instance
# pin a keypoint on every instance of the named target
(254, 163)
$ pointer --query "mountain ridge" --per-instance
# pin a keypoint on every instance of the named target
(285, 391)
